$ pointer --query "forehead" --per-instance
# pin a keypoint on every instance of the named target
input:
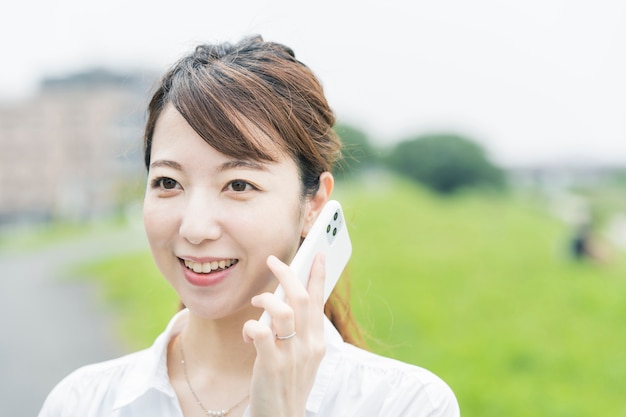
(175, 138)
(233, 133)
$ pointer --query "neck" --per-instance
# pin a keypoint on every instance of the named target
(217, 367)
(217, 345)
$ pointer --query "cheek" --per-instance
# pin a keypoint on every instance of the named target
(149, 219)
(276, 232)
(157, 223)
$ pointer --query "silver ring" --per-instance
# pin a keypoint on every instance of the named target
(286, 337)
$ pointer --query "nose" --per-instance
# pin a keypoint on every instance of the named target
(201, 221)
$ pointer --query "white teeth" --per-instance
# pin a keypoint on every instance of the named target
(209, 266)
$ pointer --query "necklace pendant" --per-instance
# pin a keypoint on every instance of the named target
(217, 413)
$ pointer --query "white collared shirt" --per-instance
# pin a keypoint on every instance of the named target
(350, 382)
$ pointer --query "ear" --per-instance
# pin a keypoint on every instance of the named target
(318, 200)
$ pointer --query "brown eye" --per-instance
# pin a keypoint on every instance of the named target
(165, 183)
(239, 185)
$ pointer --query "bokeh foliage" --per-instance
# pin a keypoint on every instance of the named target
(443, 162)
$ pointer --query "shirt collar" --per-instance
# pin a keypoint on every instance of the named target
(149, 369)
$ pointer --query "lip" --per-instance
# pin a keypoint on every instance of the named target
(204, 280)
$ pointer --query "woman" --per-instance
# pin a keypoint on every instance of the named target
(239, 150)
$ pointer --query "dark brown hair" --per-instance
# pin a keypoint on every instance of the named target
(236, 97)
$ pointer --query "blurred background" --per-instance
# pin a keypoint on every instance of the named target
(484, 185)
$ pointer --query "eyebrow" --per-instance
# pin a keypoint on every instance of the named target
(233, 164)
(241, 163)
(166, 163)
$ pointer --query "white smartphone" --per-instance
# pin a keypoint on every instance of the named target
(329, 234)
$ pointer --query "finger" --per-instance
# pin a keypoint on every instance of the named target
(295, 293)
(282, 314)
(257, 333)
(316, 292)
(269, 350)
(317, 279)
(291, 285)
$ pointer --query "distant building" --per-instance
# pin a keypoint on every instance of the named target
(69, 151)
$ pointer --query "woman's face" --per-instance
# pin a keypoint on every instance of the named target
(212, 220)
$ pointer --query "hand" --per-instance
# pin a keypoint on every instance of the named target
(284, 370)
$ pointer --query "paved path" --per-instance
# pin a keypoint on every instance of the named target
(50, 325)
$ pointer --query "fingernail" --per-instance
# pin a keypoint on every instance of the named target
(273, 260)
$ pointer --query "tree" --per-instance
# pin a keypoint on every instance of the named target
(358, 153)
(445, 163)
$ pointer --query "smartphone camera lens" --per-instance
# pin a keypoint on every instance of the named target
(334, 231)
(336, 215)
(328, 228)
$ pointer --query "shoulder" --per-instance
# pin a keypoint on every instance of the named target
(384, 386)
(395, 372)
(97, 389)
(89, 387)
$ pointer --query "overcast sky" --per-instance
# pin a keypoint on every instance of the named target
(532, 80)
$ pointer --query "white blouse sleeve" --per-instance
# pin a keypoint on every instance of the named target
(84, 392)
(368, 385)
(431, 397)
(61, 401)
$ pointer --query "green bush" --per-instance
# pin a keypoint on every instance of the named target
(358, 153)
(445, 163)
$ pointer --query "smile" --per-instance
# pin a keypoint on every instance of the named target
(208, 267)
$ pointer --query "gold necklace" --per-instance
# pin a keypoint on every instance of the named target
(212, 413)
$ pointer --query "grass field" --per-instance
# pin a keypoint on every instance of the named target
(477, 289)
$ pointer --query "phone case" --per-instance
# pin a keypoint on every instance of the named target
(329, 234)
